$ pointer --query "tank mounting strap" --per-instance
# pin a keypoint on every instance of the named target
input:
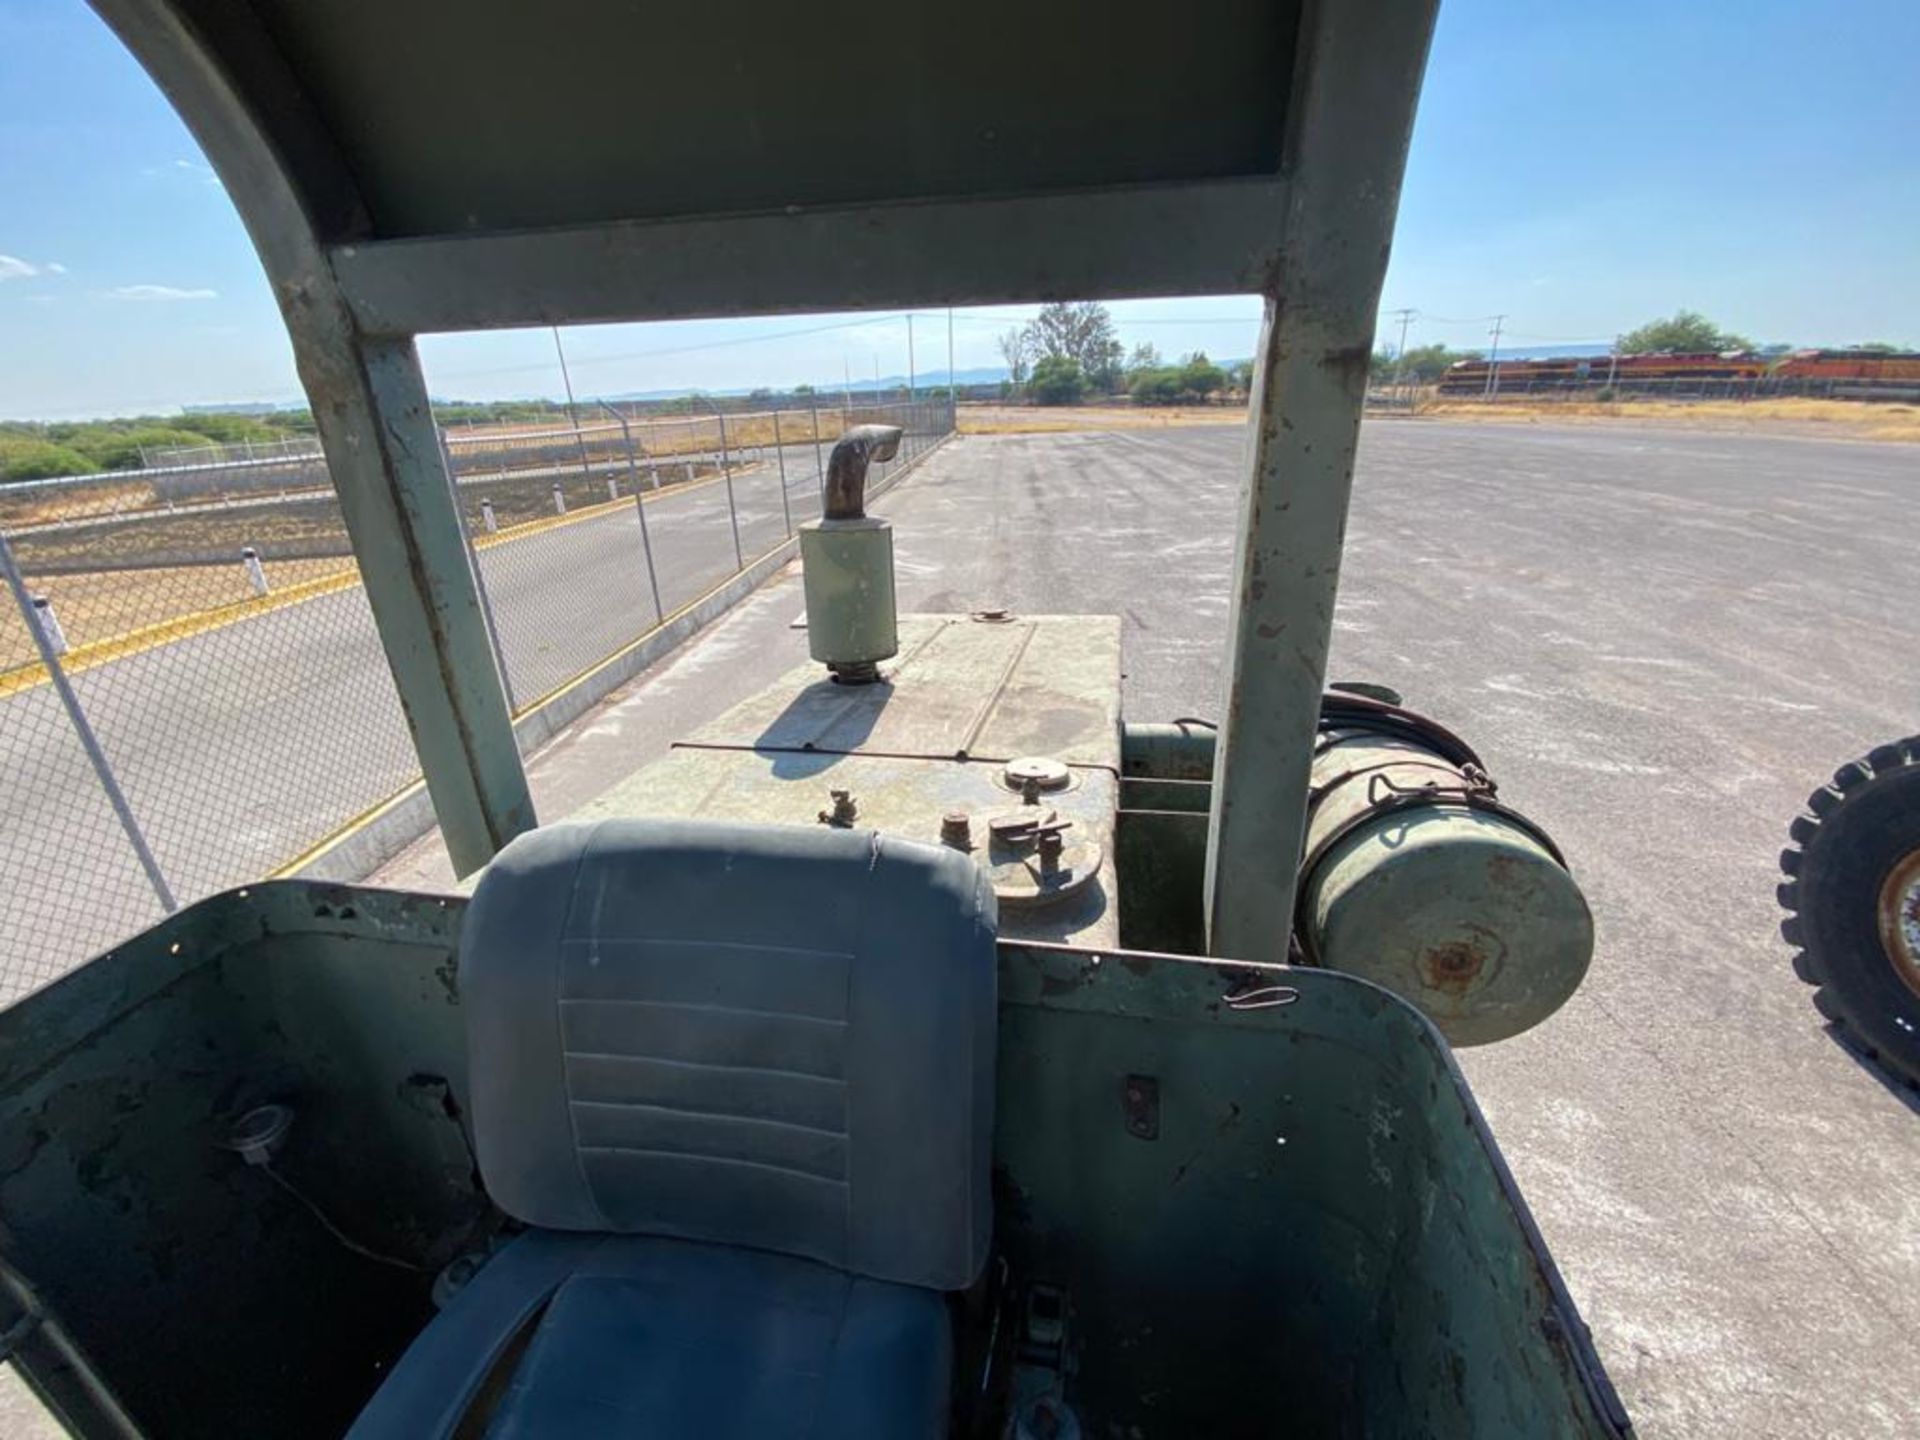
(1475, 790)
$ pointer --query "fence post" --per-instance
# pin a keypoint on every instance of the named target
(733, 518)
(559, 500)
(479, 576)
(780, 454)
(57, 674)
(640, 509)
(819, 465)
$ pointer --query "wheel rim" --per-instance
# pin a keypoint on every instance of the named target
(1900, 919)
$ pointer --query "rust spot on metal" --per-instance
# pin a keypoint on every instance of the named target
(1452, 967)
(1351, 362)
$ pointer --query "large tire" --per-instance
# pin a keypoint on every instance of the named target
(1852, 896)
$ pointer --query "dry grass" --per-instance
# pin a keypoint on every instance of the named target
(72, 502)
(1048, 420)
(680, 435)
(1842, 419)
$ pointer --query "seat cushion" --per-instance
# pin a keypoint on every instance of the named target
(773, 1036)
(591, 1335)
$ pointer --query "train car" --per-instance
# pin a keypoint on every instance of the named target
(1470, 377)
(1664, 371)
(1902, 367)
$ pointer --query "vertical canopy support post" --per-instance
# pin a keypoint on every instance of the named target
(1356, 81)
(370, 405)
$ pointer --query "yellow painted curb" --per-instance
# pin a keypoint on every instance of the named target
(185, 627)
(165, 632)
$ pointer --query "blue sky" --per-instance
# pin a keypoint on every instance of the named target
(1580, 168)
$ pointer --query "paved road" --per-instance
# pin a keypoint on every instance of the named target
(241, 747)
(1660, 641)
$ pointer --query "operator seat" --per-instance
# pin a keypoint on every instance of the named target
(738, 1081)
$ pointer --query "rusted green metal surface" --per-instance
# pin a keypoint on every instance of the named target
(1300, 1223)
(924, 753)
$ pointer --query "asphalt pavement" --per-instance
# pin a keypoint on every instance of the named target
(1660, 640)
(240, 747)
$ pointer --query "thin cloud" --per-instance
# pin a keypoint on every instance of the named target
(159, 292)
(54, 267)
(14, 268)
(182, 171)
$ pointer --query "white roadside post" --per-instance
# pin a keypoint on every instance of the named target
(49, 624)
(256, 574)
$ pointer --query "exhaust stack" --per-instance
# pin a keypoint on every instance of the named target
(847, 562)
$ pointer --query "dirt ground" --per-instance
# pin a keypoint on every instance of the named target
(38, 506)
(1822, 419)
(1046, 420)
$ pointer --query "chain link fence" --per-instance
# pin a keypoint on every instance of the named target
(192, 690)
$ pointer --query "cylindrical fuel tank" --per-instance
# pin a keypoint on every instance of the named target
(1417, 878)
(848, 578)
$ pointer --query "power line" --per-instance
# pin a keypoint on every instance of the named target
(678, 349)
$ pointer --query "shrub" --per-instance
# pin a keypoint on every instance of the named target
(1057, 380)
(39, 460)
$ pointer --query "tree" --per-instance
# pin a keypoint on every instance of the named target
(1057, 380)
(1878, 347)
(1144, 357)
(803, 391)
(1420, 364)
(1200, 377)
(1081, 332)
(1013, 350)
(1192, 381)
(1686, 332)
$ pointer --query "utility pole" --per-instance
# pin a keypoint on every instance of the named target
(910, 376)
(846, 389)
(1400, 356)
(573, 415)
(565, 379)
(951, 396)
(1613, 361)
(876, 379)
(1493, 359)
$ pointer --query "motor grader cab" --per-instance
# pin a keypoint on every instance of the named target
(923, 1047)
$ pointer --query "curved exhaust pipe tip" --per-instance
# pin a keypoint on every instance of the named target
(847, 468)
